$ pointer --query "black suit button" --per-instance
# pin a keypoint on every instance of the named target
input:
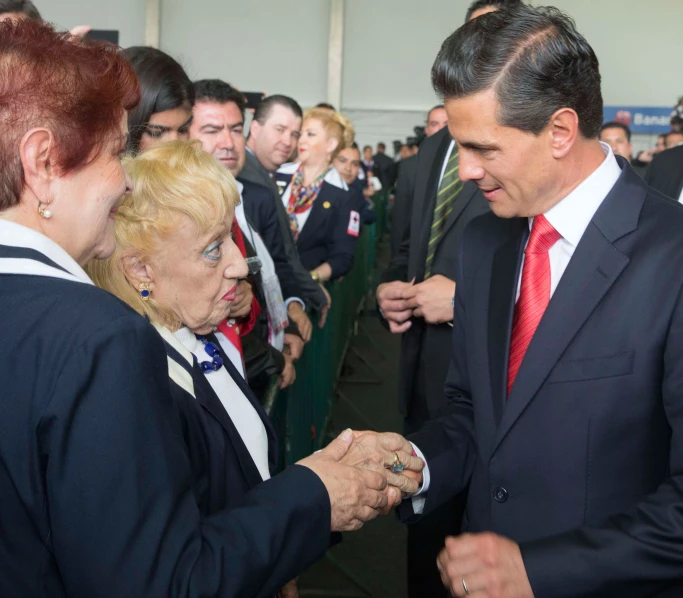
(500, 494)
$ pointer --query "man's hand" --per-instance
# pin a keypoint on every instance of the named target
(394, 307)
(371, 450)
(297, 314)
(241, 306)
(325, 309)
(288, 375)
(491, 566)
(289, 591)
(294, 346)
(431, 299)
(356, 495)
(81, 30)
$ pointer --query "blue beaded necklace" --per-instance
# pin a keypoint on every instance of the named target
(211, 349)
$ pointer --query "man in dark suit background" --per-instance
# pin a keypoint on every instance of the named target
(416, 299)
(665, 173)
(405, 183)
(273, 137)
(384, 166)
(564, 414)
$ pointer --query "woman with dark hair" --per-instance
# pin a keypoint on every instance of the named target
(165, 109)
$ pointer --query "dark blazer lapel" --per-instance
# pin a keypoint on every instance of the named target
(427, 206)
(507, 261)
(208, 400)
(316, 223)
(593, 269)
(242, 384)
(464, 197)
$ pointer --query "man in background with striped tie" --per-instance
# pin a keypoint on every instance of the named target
(416, 301)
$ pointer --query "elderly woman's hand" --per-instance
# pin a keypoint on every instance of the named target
(241, 306)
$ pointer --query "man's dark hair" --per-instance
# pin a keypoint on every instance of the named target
(381, 146)
(22, 7)
(219, 92)
(616, 125)
(266, 106)
(535, 61)
(479, 4)
(164, 86)
(326, 105)
(367, 147)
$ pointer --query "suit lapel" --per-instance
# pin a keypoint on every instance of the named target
(595, 266)
(505, 269)
(316, 222)
(464, 197)
(428, 205)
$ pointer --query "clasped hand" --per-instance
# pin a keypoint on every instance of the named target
(354, 470)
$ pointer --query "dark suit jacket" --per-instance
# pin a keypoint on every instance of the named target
(325, 236)
(386, 170)
(582, 463)
(360, 204)
(309, 290)
(665, 172)
(95, 481)
(223, 470)
(258, 206)
(403, 202)
(425, 348)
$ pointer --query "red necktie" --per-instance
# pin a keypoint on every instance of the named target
(534, 294)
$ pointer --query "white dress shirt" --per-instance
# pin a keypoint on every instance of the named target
(242, 413)
(570, 217)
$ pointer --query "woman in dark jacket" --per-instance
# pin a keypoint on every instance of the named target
(320, 207)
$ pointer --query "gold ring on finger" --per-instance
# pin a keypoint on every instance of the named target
(397, 466)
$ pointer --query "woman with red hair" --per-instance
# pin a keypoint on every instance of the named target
(96, 487)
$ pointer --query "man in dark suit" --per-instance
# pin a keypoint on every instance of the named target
(565, 389)
(405, 183)
(384, 166)
(272, 139)
(665, 173)
(618, 137)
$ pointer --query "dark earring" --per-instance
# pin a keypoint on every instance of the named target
(144, 291)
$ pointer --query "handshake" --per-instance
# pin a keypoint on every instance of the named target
(366, 474)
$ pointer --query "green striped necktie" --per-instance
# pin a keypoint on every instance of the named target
(445, 200)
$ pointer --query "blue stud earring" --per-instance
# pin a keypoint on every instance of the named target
(144, 291)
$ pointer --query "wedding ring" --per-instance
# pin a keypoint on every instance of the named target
(464, 586)
(397, 466)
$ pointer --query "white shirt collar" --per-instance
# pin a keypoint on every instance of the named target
(18, 235)
(572, 215)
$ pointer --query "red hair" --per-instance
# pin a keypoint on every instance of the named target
(78, 89)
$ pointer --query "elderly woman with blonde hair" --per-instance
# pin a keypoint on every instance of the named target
(177, 265)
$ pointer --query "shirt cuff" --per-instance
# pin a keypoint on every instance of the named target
(420, 497)
(291, 299)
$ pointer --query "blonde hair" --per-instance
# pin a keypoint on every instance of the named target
(336, 125)
(170, 181)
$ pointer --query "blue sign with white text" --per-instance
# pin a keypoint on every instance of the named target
(640, 119)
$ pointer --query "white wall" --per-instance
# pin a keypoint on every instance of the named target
(638, 43)
(256, 45)
(127, 16)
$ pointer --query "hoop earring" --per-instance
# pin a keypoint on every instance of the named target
(44, 210)
(145, 291)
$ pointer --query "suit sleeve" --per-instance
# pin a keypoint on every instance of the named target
(272, 237)
(403, 204)
(632, 549)
(341, 246)
(124, 520)
(448, 441)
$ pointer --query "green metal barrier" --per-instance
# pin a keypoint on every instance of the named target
(300, 413)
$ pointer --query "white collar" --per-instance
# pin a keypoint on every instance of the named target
(18, 235)
(572, 215)
(332, 177)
